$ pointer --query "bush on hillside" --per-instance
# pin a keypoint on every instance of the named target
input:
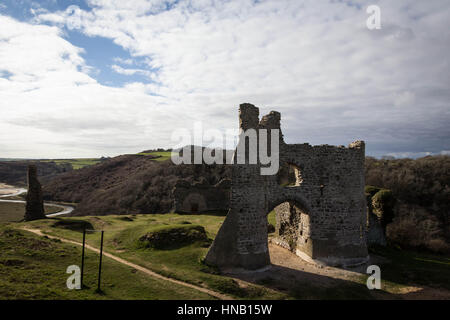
(172, 237)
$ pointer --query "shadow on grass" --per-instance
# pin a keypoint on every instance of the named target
(408, 267)
(305, 285)
(404, 274)
(72, 224)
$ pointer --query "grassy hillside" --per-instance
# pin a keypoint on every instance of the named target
(157, 155)
(33, 267)
(182, 261)
(75, 163)
(127, 184)
(404, 273)
(14, 171)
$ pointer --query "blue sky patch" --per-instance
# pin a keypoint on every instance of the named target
(99, 53)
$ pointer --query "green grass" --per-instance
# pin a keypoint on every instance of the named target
(76, 163)
(184, 260)
(271, 218)
(12, 212)
(412, 267)
(181, 262)
(33, 267)
(161, 156)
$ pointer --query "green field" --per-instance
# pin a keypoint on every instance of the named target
(161, 155)
(12, 212)
(79, 163)
(76, 163)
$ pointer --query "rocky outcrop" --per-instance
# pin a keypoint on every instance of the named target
(35, 202)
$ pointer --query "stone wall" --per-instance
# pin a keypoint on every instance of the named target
(325, 207)
(201, 197)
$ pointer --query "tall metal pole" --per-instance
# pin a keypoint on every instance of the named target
(82, 257)
(100, 263)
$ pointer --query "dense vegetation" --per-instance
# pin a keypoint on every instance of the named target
(422, 191)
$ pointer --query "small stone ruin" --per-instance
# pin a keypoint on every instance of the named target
(34, 200)
(202, 197)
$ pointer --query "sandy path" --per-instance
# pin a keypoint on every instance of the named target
(8, 191)
(135, 266)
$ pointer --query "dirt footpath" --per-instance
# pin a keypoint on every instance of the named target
(7, 189)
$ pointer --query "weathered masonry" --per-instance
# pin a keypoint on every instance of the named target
(201, 197)
(321, 216)
(34, 208)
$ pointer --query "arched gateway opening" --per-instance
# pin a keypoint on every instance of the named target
(292, 227)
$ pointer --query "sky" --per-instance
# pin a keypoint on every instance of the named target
(101, 78)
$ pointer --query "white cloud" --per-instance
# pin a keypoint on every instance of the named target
(123, 61)
(130, 71)
(51, 107)
(404, 98)
(333, 80)
(409, 154)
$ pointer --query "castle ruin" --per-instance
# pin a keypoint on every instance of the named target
(320, 217)
(201, 197)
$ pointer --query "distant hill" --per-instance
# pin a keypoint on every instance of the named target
(140, 183)
(15, 172)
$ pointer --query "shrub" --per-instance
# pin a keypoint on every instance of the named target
(383, 206)
(371, 190)
(414, 228)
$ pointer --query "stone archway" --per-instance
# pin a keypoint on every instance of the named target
(293, 229)
(293, 225)
(194, 202)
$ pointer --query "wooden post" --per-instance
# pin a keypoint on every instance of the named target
(100, 263)
(82, 256)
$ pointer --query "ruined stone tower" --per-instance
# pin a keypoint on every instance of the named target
(35, 203)
(320, 217)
